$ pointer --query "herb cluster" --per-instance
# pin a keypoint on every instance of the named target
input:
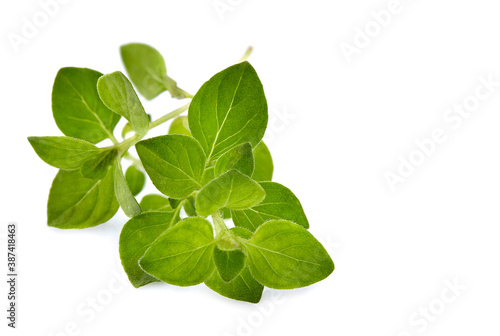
(212, 163)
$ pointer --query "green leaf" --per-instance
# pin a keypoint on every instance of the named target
(76, 202)
(128, 128)
(174, 203)
(180, 125)
(190, 207)
(228, 110)
(233, 190)
(154, 202)
(147, 70)
(175, 163)
(136, 237)
(135, 179)
(119, 96)
(63, 152)
(263, 163)
(279, 203)
(239, 158)
(229, 263)
(243, 287)
(145, 67)
(182, 255)
(284, 255)
(125, 198)
(225, 213)
(97, 166)
(242, 232)
(77, 108)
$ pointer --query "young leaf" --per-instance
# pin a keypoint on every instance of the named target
(175, 163)
(146, 68)
(98, 165)
(225, 213)
(229, 263)
(63, 152)
(190, 207)
(136, 237)
(228, 110)
(135, 179)
(243, 287)
(125, 198)
(77, 108)
(284, 255)
(76, 202)
(279, 203)
(154, 202)
(233, 190)
(179, 125)
(239, 158)
(174, 203)
(182, 255)
(263, 163)
(119, 96)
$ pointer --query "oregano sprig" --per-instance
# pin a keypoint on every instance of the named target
(212, 164)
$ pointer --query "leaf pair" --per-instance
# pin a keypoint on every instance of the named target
(280, 254)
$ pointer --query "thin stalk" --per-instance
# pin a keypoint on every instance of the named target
(220, 226)
(177, 211)
(168, 116)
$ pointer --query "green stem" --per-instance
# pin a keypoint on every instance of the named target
(178, 210)
(220, 226)
(129, 142)
(168, 116)
(112, 137)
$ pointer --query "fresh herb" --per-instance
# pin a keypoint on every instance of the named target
(212, 164)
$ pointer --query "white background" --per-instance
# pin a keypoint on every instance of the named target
(338, 127)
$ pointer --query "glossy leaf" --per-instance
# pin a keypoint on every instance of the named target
(180, 125)
(175, 163)
(77, 108)
(228, 110)
(279, 203)
(98, 165)
(284, 255)
(119, 96)
(263, 163)
(135, 179)
(239, 158)
(136, 237)
(182, 255)
(233, 190)
(63, 152)
(76, 202)
(154, 202)
(125, 198)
